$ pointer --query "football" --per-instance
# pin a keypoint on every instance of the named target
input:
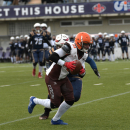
(77, 68)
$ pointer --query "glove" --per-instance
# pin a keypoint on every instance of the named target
(70, 65)
(96, 72)
(82, 72)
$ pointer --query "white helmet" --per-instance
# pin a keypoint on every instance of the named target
(93, 36)
(17, 37)
(61, 39)
(107, 36)
(105, 33)
(122, 31)
(111, 35)
(43, 25)
(25, 36)
(11, 38)
(37, 25)
(21, 37)
(99, 33)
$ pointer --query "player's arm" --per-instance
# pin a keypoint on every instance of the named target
(62, 52)
(92, 63)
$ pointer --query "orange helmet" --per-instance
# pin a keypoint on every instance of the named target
(81, 39)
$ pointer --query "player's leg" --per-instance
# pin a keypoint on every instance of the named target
(98, 54)
(67, 92)
(41, 59)
(77, 87)
(126, 50)
(113, 54)
(35, 61)
(122, 52)
(54, 94)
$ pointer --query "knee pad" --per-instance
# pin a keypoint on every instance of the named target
(70, 102)
(40, 63)
(34, 64)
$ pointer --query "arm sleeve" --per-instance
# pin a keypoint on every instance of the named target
(91, 62)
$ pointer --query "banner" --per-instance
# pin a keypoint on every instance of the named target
(60, 9)
(122, 6)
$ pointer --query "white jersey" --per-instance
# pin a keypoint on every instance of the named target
(58, 72)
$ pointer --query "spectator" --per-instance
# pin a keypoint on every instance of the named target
(7, 2)
(15, 2)
(43, 1)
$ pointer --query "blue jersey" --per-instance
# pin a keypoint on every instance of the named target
(37, 40)
(100, 41)
(123, 40)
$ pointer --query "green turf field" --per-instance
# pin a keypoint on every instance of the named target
(104, 103)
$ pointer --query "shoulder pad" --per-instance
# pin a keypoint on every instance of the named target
(66, 47)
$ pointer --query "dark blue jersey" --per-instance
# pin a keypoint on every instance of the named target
(123, 40)
(37, 40)
(11, 46)
(100, 41)
(17, 45)
(106, 44)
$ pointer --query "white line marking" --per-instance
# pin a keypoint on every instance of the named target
(71, 107)
(35, 85)
(4, 85)
(105, 69)
(2, 71)
(98, 84)
(128, 84)
(126, 68)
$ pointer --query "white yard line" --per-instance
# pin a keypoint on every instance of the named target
(98, 84)
(105, 69)
(71, 107)
(35, 85)
(128, 84)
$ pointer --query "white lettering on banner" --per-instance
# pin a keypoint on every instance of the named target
(0, 13)
(48, 10)
(57, 10)
(31, 11)
(24, 11)
(65, 9)
(6, 11)
(81, 8)
(73, 9)
(16, 11)
(37, 10)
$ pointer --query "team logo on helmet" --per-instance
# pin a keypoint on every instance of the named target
(99, 8)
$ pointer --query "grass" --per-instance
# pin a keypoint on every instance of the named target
(101, 107)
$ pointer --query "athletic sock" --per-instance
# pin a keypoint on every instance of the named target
(44, 102)
(62, 109)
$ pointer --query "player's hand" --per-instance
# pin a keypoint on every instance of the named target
(82, 72)
(70, 65)
(96, 72)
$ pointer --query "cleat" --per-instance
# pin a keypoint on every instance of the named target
(31, 104)
(58, 122)
(45, 115)
(34, 72)
(39, 75)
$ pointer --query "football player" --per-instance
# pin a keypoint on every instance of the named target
(46, 47)
(38, 39)
(106, 47)
(123, 40)
(100, 44)
(56, 76)
(112, 44)
(11, 44)
(17, 46)
(94, 48)
(76, 80)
